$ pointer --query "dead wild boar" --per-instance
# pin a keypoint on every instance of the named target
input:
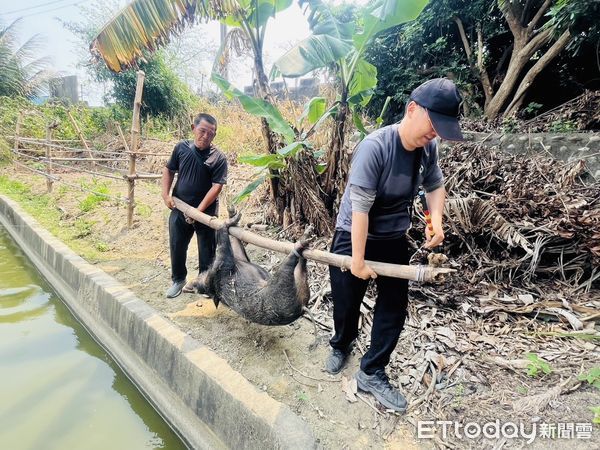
(248, 289)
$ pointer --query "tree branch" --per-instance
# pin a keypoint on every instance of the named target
(513, 22)
(535, 43)
(463, 36)
(531, 26)
(503, 58)
(524, 12)
(556, 48)
(483, 74)
(479, 47)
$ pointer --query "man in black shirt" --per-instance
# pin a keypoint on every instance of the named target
(375, 213)
(202, 172)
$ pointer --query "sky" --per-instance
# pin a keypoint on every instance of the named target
(44, 17)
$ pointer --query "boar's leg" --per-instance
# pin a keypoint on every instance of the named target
(223, 268)
(300, 274)
(287, 292)
(239, 251)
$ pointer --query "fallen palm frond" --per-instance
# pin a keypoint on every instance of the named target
(475, 215)
(522, 218)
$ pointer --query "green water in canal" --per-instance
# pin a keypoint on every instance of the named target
(58, 388)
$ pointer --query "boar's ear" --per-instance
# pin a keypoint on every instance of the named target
(216, 301)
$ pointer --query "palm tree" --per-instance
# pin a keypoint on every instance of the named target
(21, 73)
(148, 24)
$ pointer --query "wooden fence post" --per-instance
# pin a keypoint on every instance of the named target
(135, 135)
(49, 181)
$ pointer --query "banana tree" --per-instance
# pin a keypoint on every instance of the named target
(293, 167)
(342, 45)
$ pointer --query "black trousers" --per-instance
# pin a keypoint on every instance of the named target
(180, 235)
(390, 307)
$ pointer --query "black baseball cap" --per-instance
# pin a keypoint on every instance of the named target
(442, 100)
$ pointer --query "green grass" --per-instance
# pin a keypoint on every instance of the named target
(93, 200)
(592, 377)
(82, 228)
(102, 247)
(5, 154)
(43, 208)
(537, 366)
(143, 210)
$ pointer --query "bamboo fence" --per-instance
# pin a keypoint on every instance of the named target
(50, 153)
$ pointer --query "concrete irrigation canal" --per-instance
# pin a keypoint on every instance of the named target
(59, 388)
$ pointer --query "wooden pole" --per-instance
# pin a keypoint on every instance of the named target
(80, 134)
(49, 180)
(87, 159)
(135, 135)
(416, 273)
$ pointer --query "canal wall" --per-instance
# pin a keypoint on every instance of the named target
(197, 392)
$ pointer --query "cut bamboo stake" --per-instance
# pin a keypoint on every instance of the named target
(135, 135)
(125, 144)
(49, 179)
(81, 136)
(416, 273)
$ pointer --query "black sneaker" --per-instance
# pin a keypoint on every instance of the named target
(379, 385)
(335, 361)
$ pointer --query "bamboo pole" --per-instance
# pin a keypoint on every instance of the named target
(140, 176)
(49, 180)
(135, 135)
(89, 159)
(415, 273)
(125, 144)
(80, 134)
(42, 141)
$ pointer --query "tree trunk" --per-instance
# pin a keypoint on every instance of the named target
(522, 51)
(271, 139)
(540, 65)
(302, 195)
(336, 158)
(479, 67)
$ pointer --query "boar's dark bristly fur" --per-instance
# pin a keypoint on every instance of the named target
(249, 290)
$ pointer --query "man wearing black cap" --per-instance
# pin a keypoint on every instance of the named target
(375, 213)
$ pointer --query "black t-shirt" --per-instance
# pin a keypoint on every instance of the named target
(197, 171)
